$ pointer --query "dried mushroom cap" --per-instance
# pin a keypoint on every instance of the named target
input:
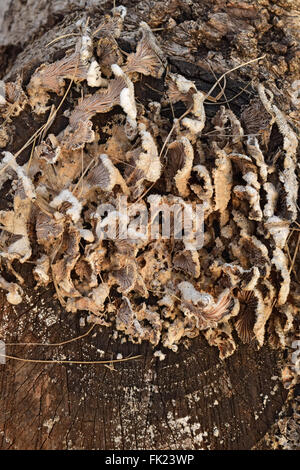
(75, 208)
(280, 324)
(251, 194)
(120, 91)
(279, 229)
(255, 117)
(162, 289)
(100, 294)
(196, 125)
(256, 153)
(148, 58)
(245, 322)
(49, 149)
(126, 277)
(281, 263)
(9, 161)
(50, 77)
(180, 89)
(111, 26)
(205, 190)
(125, 316)
(206, 306)
(236, 275)
(62, 268)
(93, 76)
(48, 228)
(109, 54)
(222, 175)
(75, 137)
(127, 100)
(132, 323)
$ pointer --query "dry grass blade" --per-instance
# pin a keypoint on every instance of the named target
(70, 362)
(62, 37)
(295, 254)
(54, 344)
(233, 69)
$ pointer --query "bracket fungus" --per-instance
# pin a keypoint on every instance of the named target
(65, 201)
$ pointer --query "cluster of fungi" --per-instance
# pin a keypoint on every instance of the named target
(158, 290)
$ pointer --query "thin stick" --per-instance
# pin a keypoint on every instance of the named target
(82, 171)
(122, 161)
(154, 89)
(34, 136)
(211, 133)
(290, 259)
(221, 88)
(42, 135)
(31, 155)
(230, 99)
(60, 297)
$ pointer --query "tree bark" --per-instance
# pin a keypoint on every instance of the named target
(192, 399)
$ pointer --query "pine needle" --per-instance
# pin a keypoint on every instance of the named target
(62, 37)
(295, 254)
